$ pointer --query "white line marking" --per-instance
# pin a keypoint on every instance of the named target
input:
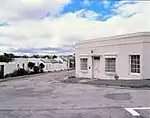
(132, 111)
(141, 108)
(135, 113)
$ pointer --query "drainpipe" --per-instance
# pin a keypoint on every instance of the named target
(91, 68)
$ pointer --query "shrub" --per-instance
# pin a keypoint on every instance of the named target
(41, 67)
(21, 72)
(36, 69)
(8, 75)
(31, 65)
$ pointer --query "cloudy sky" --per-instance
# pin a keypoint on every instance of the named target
(53, 26)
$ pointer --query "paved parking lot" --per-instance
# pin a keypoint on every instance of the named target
(45, 96)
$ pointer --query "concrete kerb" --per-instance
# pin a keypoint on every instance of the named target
(115, 83)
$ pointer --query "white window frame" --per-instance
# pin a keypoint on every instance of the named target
(134, 73)
(110, 57)
(81, 69)
(46, 66)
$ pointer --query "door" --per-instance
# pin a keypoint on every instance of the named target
(96, 67)
(1, 71)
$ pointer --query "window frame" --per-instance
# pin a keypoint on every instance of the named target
(111, 57)
(81, 69)
(130, 69)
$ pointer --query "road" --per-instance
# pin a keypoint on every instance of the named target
(45, 96)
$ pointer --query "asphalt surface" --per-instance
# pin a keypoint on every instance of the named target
(45, 96)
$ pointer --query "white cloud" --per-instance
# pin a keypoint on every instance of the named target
(70, 28)
(91, 15)
(29, 9)
(86, 2)
(106, 3)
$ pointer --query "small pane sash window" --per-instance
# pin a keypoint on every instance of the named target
(83, 63)
(135, 63)
(110, 65)
(46, 67)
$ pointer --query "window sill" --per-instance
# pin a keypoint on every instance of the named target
(135, 74)
(84, 71)
(110, 73)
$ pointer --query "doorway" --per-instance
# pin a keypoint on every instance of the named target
(96, 67)
(1, 71)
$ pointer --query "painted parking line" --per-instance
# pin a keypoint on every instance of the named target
(135, 113)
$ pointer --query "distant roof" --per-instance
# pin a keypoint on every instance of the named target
(60, 62)
(49, 61)
(115, 37)
(63, 58)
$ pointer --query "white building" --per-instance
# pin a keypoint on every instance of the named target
(126, 55)
(12, 66)
(56, 64)
(6, 68)
(51, 65)
(63, 63)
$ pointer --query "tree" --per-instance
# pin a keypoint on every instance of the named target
(36, 69)
(54, 56)
(41, 67)
(45, 56)
(35, 56)
(6, 57)
(31, 65)
(24, 56)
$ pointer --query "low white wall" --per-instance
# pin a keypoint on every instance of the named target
(9, 68)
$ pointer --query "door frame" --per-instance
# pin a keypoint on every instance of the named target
(93, 63)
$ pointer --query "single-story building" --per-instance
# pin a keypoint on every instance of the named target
(50, 65)
(54, 64)
(126, 56)
(63, 63)
(6, 68)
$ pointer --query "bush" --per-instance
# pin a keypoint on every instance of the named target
(31, 65)
(41, 67)
(8, 75)
(19, 72)
(36, 69)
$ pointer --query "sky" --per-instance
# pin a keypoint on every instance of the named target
(30, 27)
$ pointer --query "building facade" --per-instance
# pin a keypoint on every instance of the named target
(126, 56)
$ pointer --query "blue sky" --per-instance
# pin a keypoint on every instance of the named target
(31, 26)
(104, 9)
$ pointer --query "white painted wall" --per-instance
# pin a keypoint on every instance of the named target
(146, 58)
(9, 67)
(122, 48)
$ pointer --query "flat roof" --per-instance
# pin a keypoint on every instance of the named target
(115, 37)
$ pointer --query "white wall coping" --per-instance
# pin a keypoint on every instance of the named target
(100, 39)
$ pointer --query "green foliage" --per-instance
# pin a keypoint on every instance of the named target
(36, 69)
(31, 65)
(36, 56)
(24, 56)
(7, 57)
(54, 56)
(19, 72)
(41, 67)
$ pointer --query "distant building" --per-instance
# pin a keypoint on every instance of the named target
(126, 56)
(57, 64)
(71, 62)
